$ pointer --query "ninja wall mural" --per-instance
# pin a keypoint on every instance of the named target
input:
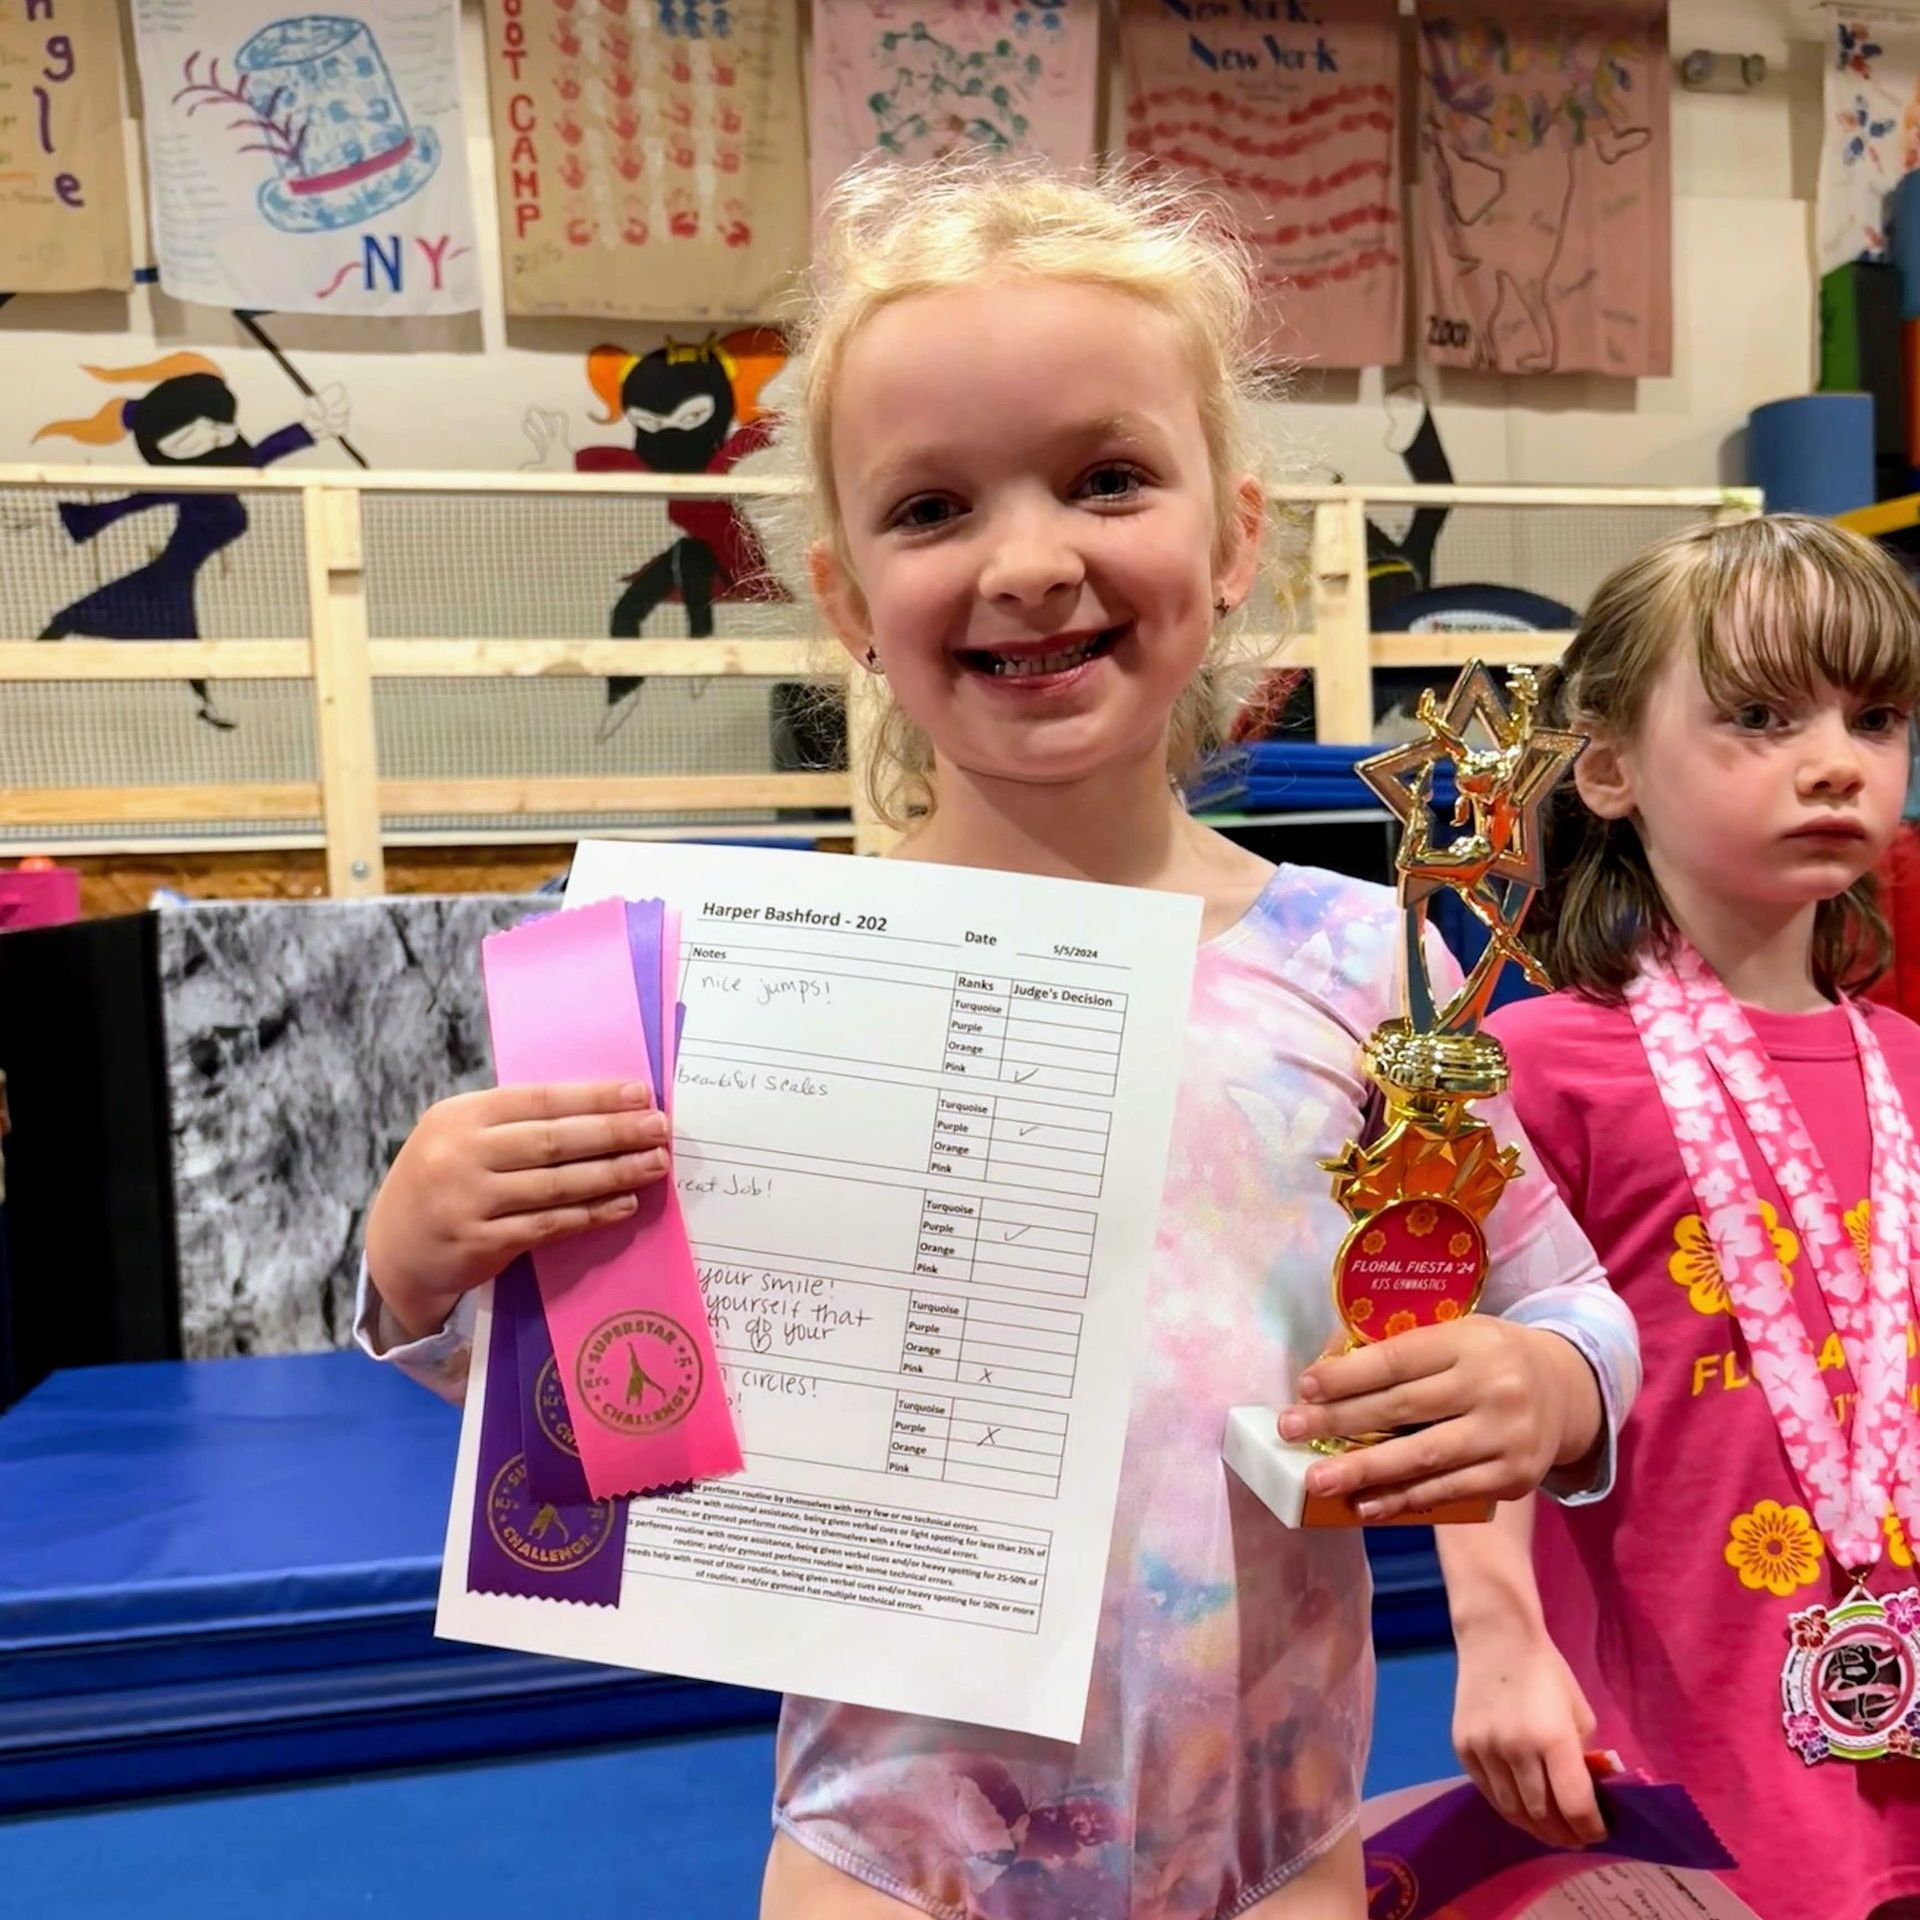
(184, 415)
(691, 408)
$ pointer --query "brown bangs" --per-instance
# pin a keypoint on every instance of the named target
(1778, 606)
(1773, 608)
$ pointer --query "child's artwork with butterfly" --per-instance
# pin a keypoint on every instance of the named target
(1872, 110)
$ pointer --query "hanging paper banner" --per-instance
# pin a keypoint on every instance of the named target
(1293, 121)
(308, 163)
(63, 177)
(1872, 138)
(920, 80)
(1544, 200)
(650, 156)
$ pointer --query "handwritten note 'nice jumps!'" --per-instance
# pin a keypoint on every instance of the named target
(921, 1129)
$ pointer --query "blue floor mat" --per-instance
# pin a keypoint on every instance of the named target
(672, 1827)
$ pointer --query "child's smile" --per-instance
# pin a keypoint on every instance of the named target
(1031, 522)
(1041, 666)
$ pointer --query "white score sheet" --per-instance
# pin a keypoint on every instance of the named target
(921, 1127)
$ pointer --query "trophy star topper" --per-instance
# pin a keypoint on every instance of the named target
(1501, 795)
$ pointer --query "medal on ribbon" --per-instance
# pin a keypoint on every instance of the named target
(1850, 1682)
(1850, 1689)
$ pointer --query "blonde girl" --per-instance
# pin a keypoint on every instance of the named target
(1023, 406)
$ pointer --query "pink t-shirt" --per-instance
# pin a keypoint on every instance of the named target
(1671, 1599)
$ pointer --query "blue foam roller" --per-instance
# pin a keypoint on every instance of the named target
(1903, 209)
(1813, 453)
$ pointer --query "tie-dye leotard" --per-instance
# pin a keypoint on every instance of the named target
(1227, 1728)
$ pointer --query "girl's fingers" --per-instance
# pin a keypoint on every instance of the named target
(506, 1104)
(1575, 1801)
(1374, 1369)
(1415, 1403)
(1542, 1816)
(523, 1144)
(579, 1183)
(557, 1223)
(1495, 1780)
(1401, 1464)
(1482, 1482)
(1583, 1718)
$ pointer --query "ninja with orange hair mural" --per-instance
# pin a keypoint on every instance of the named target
(694, 409)
(186, 418)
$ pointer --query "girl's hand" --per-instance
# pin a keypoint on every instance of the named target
(1521, 1727)
(486, 1177)
(1499, 1406)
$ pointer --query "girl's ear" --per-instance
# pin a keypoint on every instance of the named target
(1239, 562)
(1603, 778)
(840, 599)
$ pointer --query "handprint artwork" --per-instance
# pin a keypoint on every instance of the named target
(646, 157)
(920, 82)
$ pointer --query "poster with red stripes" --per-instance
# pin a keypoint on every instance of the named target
(1544, 201)
(1290, 112)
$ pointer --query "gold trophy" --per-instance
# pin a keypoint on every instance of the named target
(1419, 1193)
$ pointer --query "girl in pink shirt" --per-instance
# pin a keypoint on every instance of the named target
(1732, 1129)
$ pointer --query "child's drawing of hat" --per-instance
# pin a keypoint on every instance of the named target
(343, 147)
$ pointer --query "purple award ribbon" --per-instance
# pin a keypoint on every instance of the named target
(645, 920)
(554, 1472)
(533, 1544)
(1444, 1850)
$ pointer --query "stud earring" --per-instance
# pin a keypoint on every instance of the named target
(1221, 608)
(873, 661)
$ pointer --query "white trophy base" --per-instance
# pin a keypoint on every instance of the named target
(1275, 1472)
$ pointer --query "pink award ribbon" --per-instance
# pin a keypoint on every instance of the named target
(632, 1346)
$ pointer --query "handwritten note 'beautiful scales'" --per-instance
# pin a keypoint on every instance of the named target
(922, 1119)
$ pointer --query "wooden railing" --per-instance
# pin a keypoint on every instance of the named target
(351, 797)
